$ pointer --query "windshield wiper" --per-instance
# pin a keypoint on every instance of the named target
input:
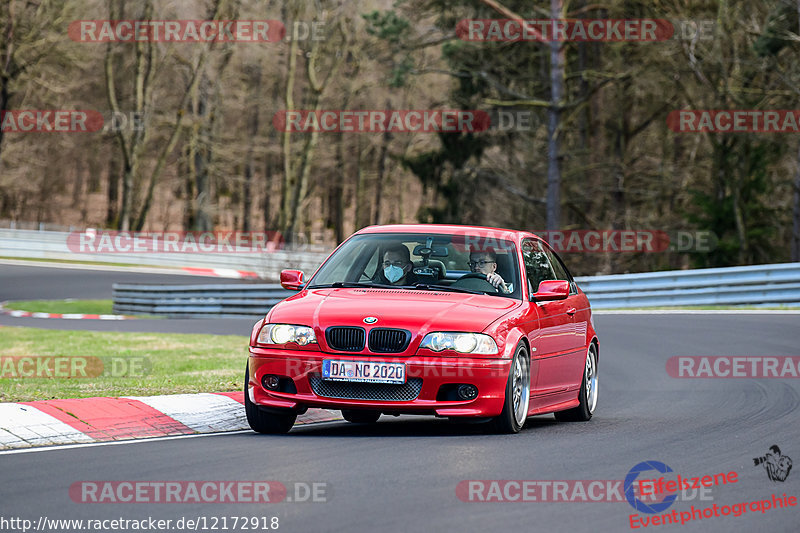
(354, 285)
(418, 286)
(426, 286)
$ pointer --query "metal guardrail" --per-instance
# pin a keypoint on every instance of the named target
(198, 301)
(750, 285)
(760, 285)
(54, 245)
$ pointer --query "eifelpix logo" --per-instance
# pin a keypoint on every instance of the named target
(777, 465)
(630, 482)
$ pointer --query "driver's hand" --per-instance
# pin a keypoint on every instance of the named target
(496, 280)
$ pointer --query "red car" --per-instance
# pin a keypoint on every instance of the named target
(453, 321)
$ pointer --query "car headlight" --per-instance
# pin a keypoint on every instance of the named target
(461, 342)
(286, 333)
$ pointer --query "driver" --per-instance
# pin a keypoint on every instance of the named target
(485, 262)
(396, 267)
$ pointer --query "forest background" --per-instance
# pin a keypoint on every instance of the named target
(194, 146)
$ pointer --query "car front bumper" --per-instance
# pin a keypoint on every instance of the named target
(434, 377)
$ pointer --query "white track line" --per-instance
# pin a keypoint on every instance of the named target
(144, 440)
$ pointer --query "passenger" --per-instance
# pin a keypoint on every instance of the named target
(397, 267)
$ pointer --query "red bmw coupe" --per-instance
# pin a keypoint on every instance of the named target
(451, 321)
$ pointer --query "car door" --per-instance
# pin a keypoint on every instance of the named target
(578, 313)
(554, 340)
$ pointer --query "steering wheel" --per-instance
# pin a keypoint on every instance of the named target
(480, 283)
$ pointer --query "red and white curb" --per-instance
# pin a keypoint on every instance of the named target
(222, 272)
(48, 422)
(67, 316)
(177, 271)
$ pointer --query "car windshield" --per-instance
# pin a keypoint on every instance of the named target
(455, 262)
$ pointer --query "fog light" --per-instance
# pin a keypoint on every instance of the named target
(467, 392)
(270, 382)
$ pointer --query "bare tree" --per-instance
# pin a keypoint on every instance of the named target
(297, 169)
(132, 144)
(557, 66)
(796, 193)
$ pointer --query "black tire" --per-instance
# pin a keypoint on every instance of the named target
(360, 417)
(513, 416)
(588, 392)
(261, 421)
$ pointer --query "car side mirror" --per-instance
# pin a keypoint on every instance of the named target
(292, 279)
(553, 289)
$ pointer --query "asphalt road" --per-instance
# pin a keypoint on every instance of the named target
(37, 282)
(401, 474)
(44, 282)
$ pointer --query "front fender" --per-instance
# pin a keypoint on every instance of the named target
(512, 338)
(256, 329)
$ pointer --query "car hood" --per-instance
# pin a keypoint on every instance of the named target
(418, 311)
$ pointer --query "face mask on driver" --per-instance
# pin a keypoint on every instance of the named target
(393, 273)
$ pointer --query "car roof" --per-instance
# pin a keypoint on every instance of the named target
(482, 231)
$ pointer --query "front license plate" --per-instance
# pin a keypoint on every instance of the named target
(364, 371)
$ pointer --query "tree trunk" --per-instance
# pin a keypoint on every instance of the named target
(796, 211)
(93, 177)
(269, 224)
(112, 210)
(127, 200)
(5, 68)
(796, 196)
(249, 166)
(557, 62)
(386, 138)
(185, 166)
(287, 183)
(336, 206)
(77, 189)
(360, 192)
(202, 155)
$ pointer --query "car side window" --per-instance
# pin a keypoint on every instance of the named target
(537, 265)
(560, 270)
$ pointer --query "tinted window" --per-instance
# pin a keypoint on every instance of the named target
(537, 265)
(360, 259)
(560, 270)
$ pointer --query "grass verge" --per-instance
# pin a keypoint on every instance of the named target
(133, 364)
(86, 307)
